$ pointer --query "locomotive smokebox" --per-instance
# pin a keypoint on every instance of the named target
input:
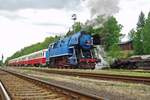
(85, 41)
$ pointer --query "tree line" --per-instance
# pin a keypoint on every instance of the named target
(34, 47)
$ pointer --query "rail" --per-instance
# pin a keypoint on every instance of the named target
(124, 78)
(65, 90)
(3, 93)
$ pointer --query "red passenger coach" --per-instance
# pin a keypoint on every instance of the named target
(37, 58)
(34, 59)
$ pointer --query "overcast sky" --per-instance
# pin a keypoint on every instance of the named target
(25, 22)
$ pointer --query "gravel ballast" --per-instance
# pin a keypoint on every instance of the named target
(110, 90)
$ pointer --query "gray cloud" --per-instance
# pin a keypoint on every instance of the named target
(38, 4)
(11, 15)
(102, 7)
(47, 24)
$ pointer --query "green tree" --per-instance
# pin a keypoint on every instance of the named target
(131, 34)
(141, 21)
(0, 63)
(146, 36)
(69, 33)
(138, 36)
(108, 30)
(112, 32)
(76, 27)
(88, 29)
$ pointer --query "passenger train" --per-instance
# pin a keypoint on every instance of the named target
(75, 51)
(34, 59)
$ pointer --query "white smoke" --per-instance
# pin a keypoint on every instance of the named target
(102, 7)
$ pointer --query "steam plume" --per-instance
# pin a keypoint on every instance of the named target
(102, 7)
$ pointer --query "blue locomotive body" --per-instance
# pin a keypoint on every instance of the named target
(74, 51)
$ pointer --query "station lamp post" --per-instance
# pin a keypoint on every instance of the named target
(74, 18)
(2, 60)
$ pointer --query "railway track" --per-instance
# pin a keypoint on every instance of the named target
(19, 86)
(3, 93)
(132, 79)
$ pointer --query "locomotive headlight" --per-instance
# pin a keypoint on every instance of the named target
(88, 42)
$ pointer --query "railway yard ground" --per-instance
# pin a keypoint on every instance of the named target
(136, 72)
(109, 90)
(24, 87)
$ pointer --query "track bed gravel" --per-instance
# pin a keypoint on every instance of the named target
(111, 90)
(20, 89)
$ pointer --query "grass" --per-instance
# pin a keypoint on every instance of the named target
(124, 72)
(110, 71)
(105, 71)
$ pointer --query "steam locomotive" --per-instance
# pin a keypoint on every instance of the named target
(75, 51)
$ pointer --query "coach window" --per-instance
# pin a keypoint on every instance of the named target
(37, 55)
(55, 44)
(50, 46)
(41, 54)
